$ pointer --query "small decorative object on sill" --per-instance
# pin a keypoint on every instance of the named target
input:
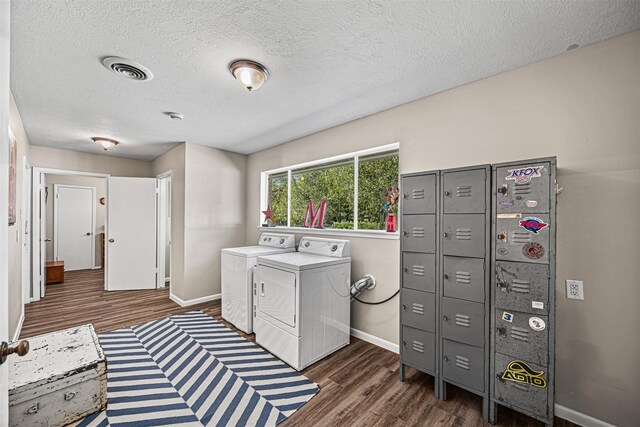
(313, 216)
(391, 223)
(268, 218)
(390, 197)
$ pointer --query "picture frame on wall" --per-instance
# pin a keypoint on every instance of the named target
(13, 157)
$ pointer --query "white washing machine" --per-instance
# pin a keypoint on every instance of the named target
(238, 265)
(303, 301)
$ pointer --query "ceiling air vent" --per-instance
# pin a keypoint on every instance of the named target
(127, 68)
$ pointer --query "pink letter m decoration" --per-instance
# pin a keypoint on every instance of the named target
(315, 216)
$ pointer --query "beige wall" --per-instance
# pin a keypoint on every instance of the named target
(583, 107)
(100, 184)
(215, 197)
(16, 232)
(86, 162)
(174, 161)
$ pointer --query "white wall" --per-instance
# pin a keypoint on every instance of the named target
(583, 107)
(100, 184)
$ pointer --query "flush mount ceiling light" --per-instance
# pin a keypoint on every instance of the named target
(106, 144)
(175, 116)
(127, 68)
(250, 74)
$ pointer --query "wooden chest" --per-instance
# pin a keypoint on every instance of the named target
(62, 379)
(55, 271)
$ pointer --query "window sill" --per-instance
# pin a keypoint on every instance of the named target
(365, 234)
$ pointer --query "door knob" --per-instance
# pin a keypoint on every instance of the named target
(111, 240)
(47, 240)
(88, 234)
(21, 349)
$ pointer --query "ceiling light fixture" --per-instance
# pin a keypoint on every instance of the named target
(176, 116)
(106, 144)
(250, 74)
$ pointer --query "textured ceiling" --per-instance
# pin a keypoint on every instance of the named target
(330, 62)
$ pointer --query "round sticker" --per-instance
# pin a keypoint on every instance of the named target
(503, 251)
(537, 324)
(533, 250)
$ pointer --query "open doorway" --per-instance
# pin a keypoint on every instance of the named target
(164, 229)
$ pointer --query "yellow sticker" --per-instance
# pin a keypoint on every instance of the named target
(519, 372)
(510, 215)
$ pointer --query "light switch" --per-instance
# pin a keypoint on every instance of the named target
(575, 289)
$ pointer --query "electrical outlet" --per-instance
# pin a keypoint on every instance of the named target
(575, 289)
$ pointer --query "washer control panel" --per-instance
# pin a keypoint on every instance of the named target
(275, 240)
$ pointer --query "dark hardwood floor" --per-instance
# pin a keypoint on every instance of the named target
(359, 384)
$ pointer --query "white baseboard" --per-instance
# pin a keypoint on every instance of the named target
(16, 334)
(194, 301)
(579, 418)
(388, 345)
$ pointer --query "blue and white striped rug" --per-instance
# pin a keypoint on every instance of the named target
(190, 369)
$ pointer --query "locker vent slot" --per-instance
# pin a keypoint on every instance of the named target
(418, 232)
(463, 233)
(519, 334)
(463, 320)
(463, 277)
(463, 362)
(521, 237)
(418, 270)
(522, 188)
(463, 191)
(418, 346)
(522, 286)
(418, 194)
(417, 308)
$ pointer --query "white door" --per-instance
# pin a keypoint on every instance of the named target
(26, 241)
(42, 227)
(131, 236)
(74, 225)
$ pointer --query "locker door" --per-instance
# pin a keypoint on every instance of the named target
(464, 278)
(517, 336)
(523, 189)
(464, 191)
(523, 238)
(419, 233)
(418, 271)
(418, 309)
(419, 194)
(525, 386)
(419, 348)
(463, 364)
(463, 321)
(522, 286)
(463, 235)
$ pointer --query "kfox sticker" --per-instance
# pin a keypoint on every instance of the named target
(524, 175)
(533, 224)
(519, 372)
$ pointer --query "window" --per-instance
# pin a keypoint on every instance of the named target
(354, 186)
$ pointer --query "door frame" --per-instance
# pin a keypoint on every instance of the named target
(27, 271)
(164, 199)
(37, 278)
(56, 206)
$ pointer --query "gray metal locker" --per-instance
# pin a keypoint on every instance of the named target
(523, 188)
(419, 194)
(523, 282)
(522, 334)
(521, 286)
(418, 348)
(463, 364)
(419, 271)
(419, 228)
(463, 321)
(464, 278)
(523, 238)
(419, 233)
(417, 309)
(464, 191)
(464, 235)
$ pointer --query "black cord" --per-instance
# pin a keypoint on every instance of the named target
(379, 302)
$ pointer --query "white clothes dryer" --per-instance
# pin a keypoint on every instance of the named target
(303, 301)
(238, 265)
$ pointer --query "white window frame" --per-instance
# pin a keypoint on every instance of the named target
(355, 232)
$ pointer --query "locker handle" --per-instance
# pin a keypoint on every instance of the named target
(405, 196)
(447, 193)
(502, 331)
(446, 234)
(404, 344)
(445, 318)
(445, 358)
(404, 233)
(502, 284)
(499, 376)
(404, 307)
(446, 276)
(405, 269)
